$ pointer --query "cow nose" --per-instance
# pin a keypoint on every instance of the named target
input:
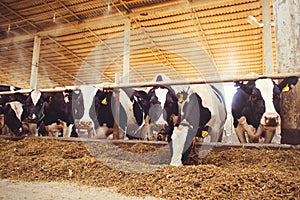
(33, 116)
(159, 125)
(271, 119)
(159, 137)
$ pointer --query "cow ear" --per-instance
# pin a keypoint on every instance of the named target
(287, 84)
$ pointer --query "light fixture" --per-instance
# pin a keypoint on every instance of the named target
(54, 17)
(252, 20)
(8, 29)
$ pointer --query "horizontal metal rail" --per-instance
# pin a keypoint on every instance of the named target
(110, 86)
(215, 146)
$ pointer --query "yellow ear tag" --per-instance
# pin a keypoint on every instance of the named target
(104, 102)
(204, 133)
(180, 99)
(286, 88)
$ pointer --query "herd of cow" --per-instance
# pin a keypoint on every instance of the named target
(177, 114)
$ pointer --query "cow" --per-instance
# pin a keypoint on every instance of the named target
(60, 111)
(133, 109)
(44, 111)
(202, 112)
(11, 111)
(256, 108)
(134, 113)
(145, 114)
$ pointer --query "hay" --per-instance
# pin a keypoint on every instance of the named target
(231, 174)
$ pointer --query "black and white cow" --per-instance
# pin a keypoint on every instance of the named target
(11, 111)
(136, 119)
(45, 111)
(60, 111)
(202, 111)
(133, 109)
(256, 108)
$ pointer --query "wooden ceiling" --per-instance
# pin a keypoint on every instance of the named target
(82, 42)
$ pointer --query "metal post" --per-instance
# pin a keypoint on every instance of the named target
(267, 32)
(287, 33)
(35, 62)
(116, 134)
(126, 58)
(116, 110)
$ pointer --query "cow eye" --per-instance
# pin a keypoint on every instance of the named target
(276, 96)
(253, 97)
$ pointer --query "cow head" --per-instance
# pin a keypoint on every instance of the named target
(140, 101)
(77, 100)
(13, 112)
(34, 106)
(163, 107)
(101, 113)
(256, 107)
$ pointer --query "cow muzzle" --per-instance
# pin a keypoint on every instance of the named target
(270, 120)
(31, 120)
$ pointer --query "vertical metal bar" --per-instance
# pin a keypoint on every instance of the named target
(267, 32)
(126, 57)
(287, 33)
(116, 110)
(35, 62)
(116, 134)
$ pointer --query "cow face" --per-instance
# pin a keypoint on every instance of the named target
(163, 107)
(269, 95)
(140, 105)
(101, 113)
(34, 106)
(76, 98)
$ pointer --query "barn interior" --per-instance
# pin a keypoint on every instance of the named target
(57, 44)
(62, 43)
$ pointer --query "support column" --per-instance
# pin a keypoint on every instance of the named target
(267, 32)
(116, 110)
(35, 62)
(287, 33)
(126, 58)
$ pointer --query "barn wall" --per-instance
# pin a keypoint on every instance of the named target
(287, 32)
